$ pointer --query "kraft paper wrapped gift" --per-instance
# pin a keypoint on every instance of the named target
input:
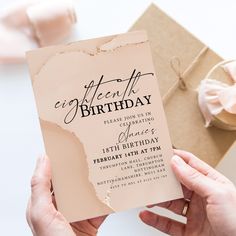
(179, 56)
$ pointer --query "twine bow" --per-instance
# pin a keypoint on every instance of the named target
(175, 64)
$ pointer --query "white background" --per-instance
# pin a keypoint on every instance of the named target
(214, 22)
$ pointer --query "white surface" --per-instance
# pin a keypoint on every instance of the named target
(214, 22)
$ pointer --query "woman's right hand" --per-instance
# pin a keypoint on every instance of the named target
(211, 198)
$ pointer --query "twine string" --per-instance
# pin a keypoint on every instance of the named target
(175, 64)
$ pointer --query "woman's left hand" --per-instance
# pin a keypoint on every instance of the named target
(42, 215)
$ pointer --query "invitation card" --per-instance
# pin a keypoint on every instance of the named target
(227, 164)
(103, 125)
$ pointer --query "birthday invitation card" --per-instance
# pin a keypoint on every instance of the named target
(103, 125)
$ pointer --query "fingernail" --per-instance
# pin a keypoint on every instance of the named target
(177, 160)
(147, 217)
(144, 215)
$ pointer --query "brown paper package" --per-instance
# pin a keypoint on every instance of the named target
(171, 43)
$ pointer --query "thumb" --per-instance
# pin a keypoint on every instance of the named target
(41, 182)
(192, 178)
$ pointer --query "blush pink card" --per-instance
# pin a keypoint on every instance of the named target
(103, 125)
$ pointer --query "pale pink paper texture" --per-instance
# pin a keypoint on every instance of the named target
(216, 97)
(60, 73)
(26, 26)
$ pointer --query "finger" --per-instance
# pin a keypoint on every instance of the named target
(192, 178)
(164, 224)
(96, 222)
(40, 182)
(85, 227)
(28, 214)
(175, 206)
(90, 225)
(201, 166)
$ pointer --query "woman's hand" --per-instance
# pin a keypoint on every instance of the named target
(42, 216)
(211, 198)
